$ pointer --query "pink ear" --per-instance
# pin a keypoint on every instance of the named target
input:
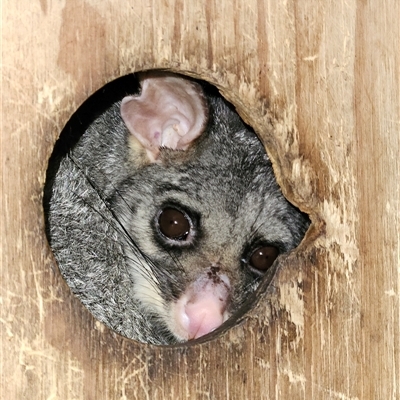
(169, 112)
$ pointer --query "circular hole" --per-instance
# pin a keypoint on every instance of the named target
(145, 150)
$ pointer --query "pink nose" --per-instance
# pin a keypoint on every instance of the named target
(205, 315)
(202, 308)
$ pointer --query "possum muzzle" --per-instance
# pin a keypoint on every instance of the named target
(202, 308)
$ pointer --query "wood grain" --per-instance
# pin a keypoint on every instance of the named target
(320, 82)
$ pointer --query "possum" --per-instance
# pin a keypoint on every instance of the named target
(165, 215)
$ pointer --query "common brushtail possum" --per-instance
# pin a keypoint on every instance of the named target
(165, 214)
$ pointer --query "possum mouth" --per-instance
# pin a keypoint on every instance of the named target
(202, 308)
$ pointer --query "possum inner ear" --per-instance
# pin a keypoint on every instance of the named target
(170, 111)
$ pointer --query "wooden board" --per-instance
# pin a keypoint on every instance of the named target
(319, 81)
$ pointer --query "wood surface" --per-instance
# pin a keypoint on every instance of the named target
(319, 81)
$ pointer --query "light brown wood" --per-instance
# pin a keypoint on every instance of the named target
(319, 81)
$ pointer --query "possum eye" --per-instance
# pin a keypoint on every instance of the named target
(174, 224)
(263, 257)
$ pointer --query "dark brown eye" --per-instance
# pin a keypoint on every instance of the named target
(263, 257)
(174, 224)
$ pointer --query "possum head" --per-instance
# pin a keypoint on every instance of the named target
(203, 215)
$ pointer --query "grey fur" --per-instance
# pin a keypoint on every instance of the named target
(103, 248)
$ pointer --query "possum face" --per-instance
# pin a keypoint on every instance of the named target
(203, 256)
(203, 215)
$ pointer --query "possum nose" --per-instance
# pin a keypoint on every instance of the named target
(204, 316)
(202, 308)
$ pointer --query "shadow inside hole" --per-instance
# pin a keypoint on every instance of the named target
(104, 200)
(91, 109)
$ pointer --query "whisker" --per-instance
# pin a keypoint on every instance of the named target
(142, 259)
(173, 257)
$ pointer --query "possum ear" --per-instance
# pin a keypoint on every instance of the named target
(170, 111)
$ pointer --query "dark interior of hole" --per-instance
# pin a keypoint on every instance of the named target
(101, 295)
(93, 107)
